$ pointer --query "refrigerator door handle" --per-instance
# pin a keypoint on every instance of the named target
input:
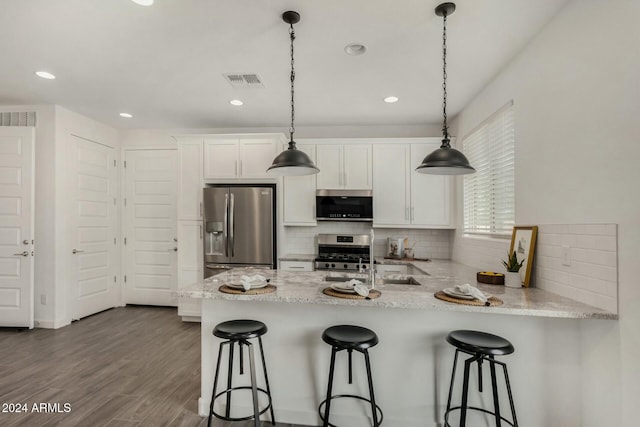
(225, 228)
(232, 215)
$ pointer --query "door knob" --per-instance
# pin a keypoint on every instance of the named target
(75, 251)
(173, 250)
(25, 253)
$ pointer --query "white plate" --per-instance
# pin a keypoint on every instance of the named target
(453, 293)
(253, 285)
(341, 287)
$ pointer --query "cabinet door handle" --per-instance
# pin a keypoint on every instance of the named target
(236, 168)
(240, 167)
(412, 213)
(293, 267)
(200, 209)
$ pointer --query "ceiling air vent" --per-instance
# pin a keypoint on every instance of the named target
(238, 80)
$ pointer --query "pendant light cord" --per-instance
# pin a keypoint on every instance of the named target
(292, 129)
(445, 127)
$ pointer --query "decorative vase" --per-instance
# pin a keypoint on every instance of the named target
(512, 279)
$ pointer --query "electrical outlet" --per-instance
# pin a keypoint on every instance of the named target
(43, 299)
(566, 256)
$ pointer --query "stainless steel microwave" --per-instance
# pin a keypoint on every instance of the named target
(344, 205)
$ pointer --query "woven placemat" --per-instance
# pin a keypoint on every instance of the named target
(373, 294)
(266, 290)
(493, 301)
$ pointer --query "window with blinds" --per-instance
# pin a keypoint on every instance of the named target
(489, 194)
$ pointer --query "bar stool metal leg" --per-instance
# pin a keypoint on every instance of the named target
(513, 407)
(453, 376)
(215, 383)
(374, 410)
(254, 387)
(229, 377)
(465, 390)
(266, 379)
(329, 386)
(494, 386)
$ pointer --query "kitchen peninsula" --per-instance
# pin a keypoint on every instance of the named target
(412, 363)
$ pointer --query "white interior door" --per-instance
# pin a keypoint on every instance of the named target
(16, 226)
(93, 227)
(150, 215)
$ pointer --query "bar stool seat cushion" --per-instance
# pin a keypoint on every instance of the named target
(240, 329)
(350, 337)
(480, 342)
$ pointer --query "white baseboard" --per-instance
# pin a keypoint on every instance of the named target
(50, 324)
(191, 319)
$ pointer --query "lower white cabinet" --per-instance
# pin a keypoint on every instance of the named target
(296, 265)
(383, 269)
(190, 265)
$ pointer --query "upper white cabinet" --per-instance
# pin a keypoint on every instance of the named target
(403, 197)
(240, 156)
(344, 166)
(299, 194)
(190, 179)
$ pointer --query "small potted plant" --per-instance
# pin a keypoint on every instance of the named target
(512, 276)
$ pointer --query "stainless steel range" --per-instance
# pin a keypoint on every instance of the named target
(343, 252)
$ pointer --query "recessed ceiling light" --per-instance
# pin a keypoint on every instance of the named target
(391, 99)
(126, 115)
(45, 75)
(236, 102)
(143, 2)
(355, 49)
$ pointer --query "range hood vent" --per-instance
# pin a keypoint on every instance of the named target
(241, 80)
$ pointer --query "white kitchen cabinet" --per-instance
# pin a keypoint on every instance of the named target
(240, 156)
(430, 194)
(391, 184)
(190, 182)
(296, 265)
(344, 166)
(190, 265)
(403, 197)
(299, 194)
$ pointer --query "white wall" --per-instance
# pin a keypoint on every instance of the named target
(577, 101)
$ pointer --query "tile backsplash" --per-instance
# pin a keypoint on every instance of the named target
(579, 261)
(434, 244)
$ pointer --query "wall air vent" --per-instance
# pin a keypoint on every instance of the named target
(241, 80)
(18, 119)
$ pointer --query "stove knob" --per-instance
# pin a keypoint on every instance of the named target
(333, 265)
(346, 266)
(326, 265)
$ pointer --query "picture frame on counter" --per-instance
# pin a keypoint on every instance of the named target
(523, 242)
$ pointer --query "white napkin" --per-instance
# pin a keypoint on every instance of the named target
(467, 289)
(249, 281)
(358, 287)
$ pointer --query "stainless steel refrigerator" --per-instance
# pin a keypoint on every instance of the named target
(239, 224)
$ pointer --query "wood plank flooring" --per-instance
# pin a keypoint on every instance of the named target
(126, 367)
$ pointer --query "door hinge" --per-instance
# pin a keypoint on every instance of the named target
(125, 201)
(125, 278)
(114, 163)
(125, 164)
(114, 279)
(114, 240)
(125, 240)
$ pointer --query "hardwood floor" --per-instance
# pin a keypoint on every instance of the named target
(130, 366)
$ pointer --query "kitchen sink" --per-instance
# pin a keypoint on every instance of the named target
(405, 281)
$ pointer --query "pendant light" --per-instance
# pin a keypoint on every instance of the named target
(292, 161)
(445, 160)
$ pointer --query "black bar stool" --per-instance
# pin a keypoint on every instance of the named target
(345, 337)
(239, 332)
(481, 346)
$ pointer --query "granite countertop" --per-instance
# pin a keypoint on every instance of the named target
(297, 257)
(306, 288)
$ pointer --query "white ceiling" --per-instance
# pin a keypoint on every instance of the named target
(164, 63)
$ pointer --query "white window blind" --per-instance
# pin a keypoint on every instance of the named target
(489, 194)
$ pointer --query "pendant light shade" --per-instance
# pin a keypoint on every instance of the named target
(445, 160)
(292, 162)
